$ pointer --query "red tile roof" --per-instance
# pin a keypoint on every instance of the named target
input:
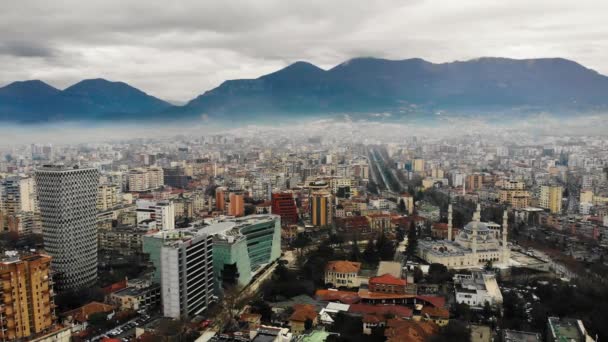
(83, 313)
(387, 279)
(435, 312)
(436, 301)
(398, 330)
(397, 310)
(341, 266)
(346, 297)
(303, 312)
(115, 287)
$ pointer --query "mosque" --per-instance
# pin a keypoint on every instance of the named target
(476, 244)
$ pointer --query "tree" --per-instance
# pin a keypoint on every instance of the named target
(385, 248)
(400, 235)
(308, 324)
(438, 274)
(489, 266)
(369, 254)
(355, 254)
(455, 331)
(262, 308)
(418, 274)
(401, 206)
(412, 242)
(98, 320)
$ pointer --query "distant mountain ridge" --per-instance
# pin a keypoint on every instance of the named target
(365, 85)
(358, 86)
(93, 99)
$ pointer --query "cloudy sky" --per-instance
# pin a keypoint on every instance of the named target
(178, 49)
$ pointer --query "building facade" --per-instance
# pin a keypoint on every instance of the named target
(186, 270)
(284, 205)
(68, 204)
(28, 307)
(474, 246)
(551, 198)
(321, 213)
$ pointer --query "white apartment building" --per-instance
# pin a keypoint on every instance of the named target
(161, 212)
(476, 289)
(187, 275)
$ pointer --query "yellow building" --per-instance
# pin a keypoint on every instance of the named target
(27, 305)
(321, 209)
(515, 197)
(586, 196)
(418, 165)
(437, 173)
(108, 196)
(551, 198)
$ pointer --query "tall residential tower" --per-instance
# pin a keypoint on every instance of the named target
(67, 197)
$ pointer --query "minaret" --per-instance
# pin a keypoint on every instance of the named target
(477, 215)
(505, 246)
(474, 244)
(450, 222)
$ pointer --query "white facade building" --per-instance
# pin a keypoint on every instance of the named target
(187, 275)
(476, 289)
(161, 212)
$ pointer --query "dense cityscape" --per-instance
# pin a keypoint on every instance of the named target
(321, 234)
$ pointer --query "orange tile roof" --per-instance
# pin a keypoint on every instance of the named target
(342, 266)
(387, 279)
(366, 294)
(371, 318)
(369, 309)
(346, 297)
(436, 301)
(398, 330)
(303, 312)
(82, 313)
(115, 287)
(433, 312)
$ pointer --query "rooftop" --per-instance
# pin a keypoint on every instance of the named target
(343, 266)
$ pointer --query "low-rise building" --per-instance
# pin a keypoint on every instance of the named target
(304, 317)
(134, 298)
(342, 273)
(566, 329)
(476, 289)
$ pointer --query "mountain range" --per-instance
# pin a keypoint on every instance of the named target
(360, 86)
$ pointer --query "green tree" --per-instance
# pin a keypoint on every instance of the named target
(455, 331)
(308, 324)
(489, 266)
(355, 253)
(262, 308)
(369, 254)
(401, 206)
(438, 274)
(412, 242)
(98, 320)
(385, 248)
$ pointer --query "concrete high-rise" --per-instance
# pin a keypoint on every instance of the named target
(183, 262)
(321, 213)
(237, 204)
(27, 292)
(551, 198)
(220, 198)
(67, 197)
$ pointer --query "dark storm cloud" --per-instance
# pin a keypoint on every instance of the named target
(25, 49)
(179, 49)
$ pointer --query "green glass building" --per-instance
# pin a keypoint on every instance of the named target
(242, 246)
